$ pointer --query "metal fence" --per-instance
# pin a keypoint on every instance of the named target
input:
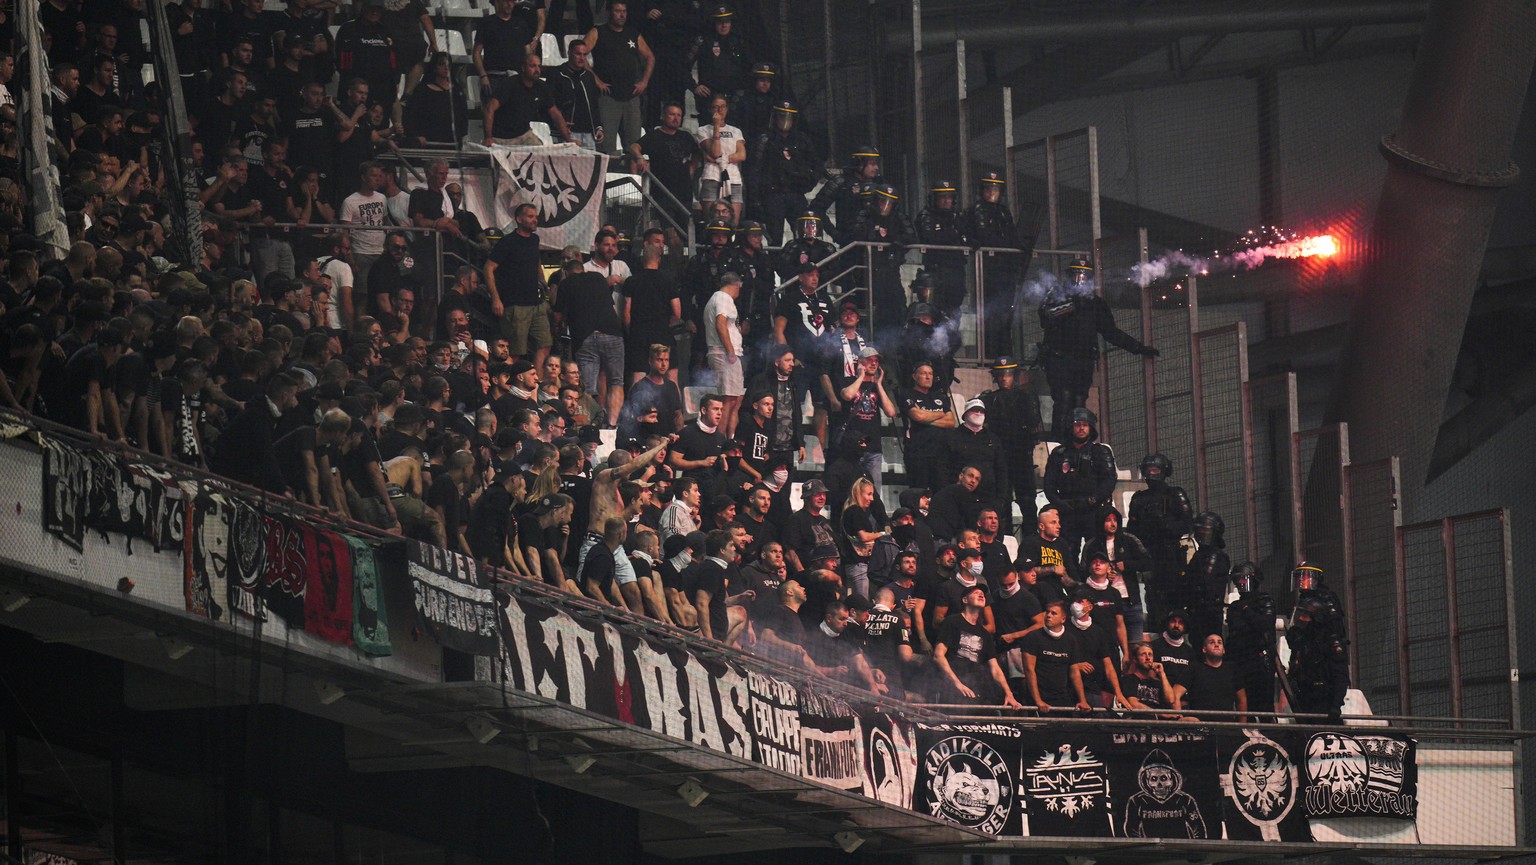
(1373, 519)
(1223, 440)
(1272, 422)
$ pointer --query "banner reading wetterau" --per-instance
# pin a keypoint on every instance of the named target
(1361, 776)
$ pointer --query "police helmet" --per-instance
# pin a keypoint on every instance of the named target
(922, 282)
(886, 190)
(719, 227)
(765, 70)
(722, 12)
(863, 152)
(785, 106)
(1306, 576)
(1156, 465)
(1081, 264)
(1209, 527)
(1246, 577)
(749, 226)
(808, 215)
(1083, 415)
(940, 187)
(992, 177)
(1176, 613)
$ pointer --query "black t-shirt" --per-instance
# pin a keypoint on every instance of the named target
(714, 579)
(290, 450)
(1013, 613)
(854, 520)
(85, 366)
(922, 436)
(783, 622)
(885, 632)
(693, 443)
(586, 302)
(952, 594)
(1054, 657)
(444, 495)
(1093, 646)
(312, 137)
(520, 105)
(1177, 661)
(861, 415)
(505, 40)
(1149, 691)
(1212, 688)
(806, 321)
(598, 568)
(488, 523)
(517, 269)
(804, 531)
(670, 156)
(1107, 607)
(968, 648)
(580, 491)
(1048, 553)
(394, 443)
(650, 313)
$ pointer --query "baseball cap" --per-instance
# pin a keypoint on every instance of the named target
(968, 552)
(1025, 562)
(544, 505)
(974, 405)
(673, 545)
(813, 488)
(868, 352)
(589, 434)
(520, 366)
(1095, 555)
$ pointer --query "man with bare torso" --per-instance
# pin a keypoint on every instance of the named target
(606, 503)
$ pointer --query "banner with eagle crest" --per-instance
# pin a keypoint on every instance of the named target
(564, 181)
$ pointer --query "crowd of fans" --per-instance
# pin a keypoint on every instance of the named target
(335, 366)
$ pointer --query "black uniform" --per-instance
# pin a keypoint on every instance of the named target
(1203, 590)
(1160, 515)
(1072, 325)
(723, 66)
(1319, 670)
(842, 194)
(1079, 481)
(983, 449)
(935, 343)
(783, 167)
(990, 224)
(888, 295)
(944, 226)
(1251, 647)
(1015, 414)
(801, 251)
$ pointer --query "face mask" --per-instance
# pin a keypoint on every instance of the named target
(1079, 610)
(974, 568)
(904, 534)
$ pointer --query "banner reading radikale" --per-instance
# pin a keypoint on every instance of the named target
(967, 774)
(565, 183)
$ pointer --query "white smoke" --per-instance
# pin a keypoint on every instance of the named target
(1178, 261)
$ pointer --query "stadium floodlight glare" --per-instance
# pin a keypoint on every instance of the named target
(483, 731)
(692, 792)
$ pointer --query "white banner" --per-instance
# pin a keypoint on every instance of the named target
(564, 181)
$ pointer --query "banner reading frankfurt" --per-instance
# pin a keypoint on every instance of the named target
(967, 774)
(1361, 776)
(1164, 785)
(563, 181)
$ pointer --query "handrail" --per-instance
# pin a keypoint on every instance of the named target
(646, 186)
(37, 144)
(187, 219)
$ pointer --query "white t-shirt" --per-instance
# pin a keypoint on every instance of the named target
(730, 139)
(719, 304)
(370, 210)
(614, 267)
(341, 280)
(400, 208)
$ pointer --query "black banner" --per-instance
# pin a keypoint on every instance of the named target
(246, 564)
(593, 666)
(1164, 784)
(66, 482)
(775, 722)
(967, 774)
(831, 742)
(1261, 787)
(1066, 784)
(451, 605)
(1361, 776)
(890, 758)
(134, 500)
(205, 568)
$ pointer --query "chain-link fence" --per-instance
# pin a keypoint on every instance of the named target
(1222, 441)
(1374, 518)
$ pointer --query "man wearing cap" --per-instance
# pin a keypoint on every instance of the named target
(989, 224)
(865, 399)
(965, 655)
(755, 107)
(522, 392)
(784, 167)
(808, 529)
(973, 443)
(1013, 412)
(927, 411)
(808, 247)
(723, 61)
(940, 223)
(840, 351)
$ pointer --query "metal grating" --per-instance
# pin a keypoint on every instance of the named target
(1272, 422)
(1126, 392)
(1374, 518)
(1175, 397)
(1224, 467)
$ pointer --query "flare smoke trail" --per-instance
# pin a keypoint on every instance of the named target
(1243, 259)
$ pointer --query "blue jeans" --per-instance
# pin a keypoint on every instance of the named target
(873, 463)
(269, 254)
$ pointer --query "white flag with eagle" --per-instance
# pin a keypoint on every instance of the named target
(564, 181)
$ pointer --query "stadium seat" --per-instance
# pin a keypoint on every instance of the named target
(453, 43)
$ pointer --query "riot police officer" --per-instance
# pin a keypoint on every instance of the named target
(1014, 411)
(808, 247)
(755, 107)
(784, 167)
(1079, 480)
(928, 337)
(989, 223)
(1251, 637)
(1204, 587)
(1319, 643)
(848, 193)
(884, 223)
(756, 300)
(1161, 516)
(940, 223)
(724, 67)
(1073, 318)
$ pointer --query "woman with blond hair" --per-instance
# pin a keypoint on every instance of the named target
(861, 528)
